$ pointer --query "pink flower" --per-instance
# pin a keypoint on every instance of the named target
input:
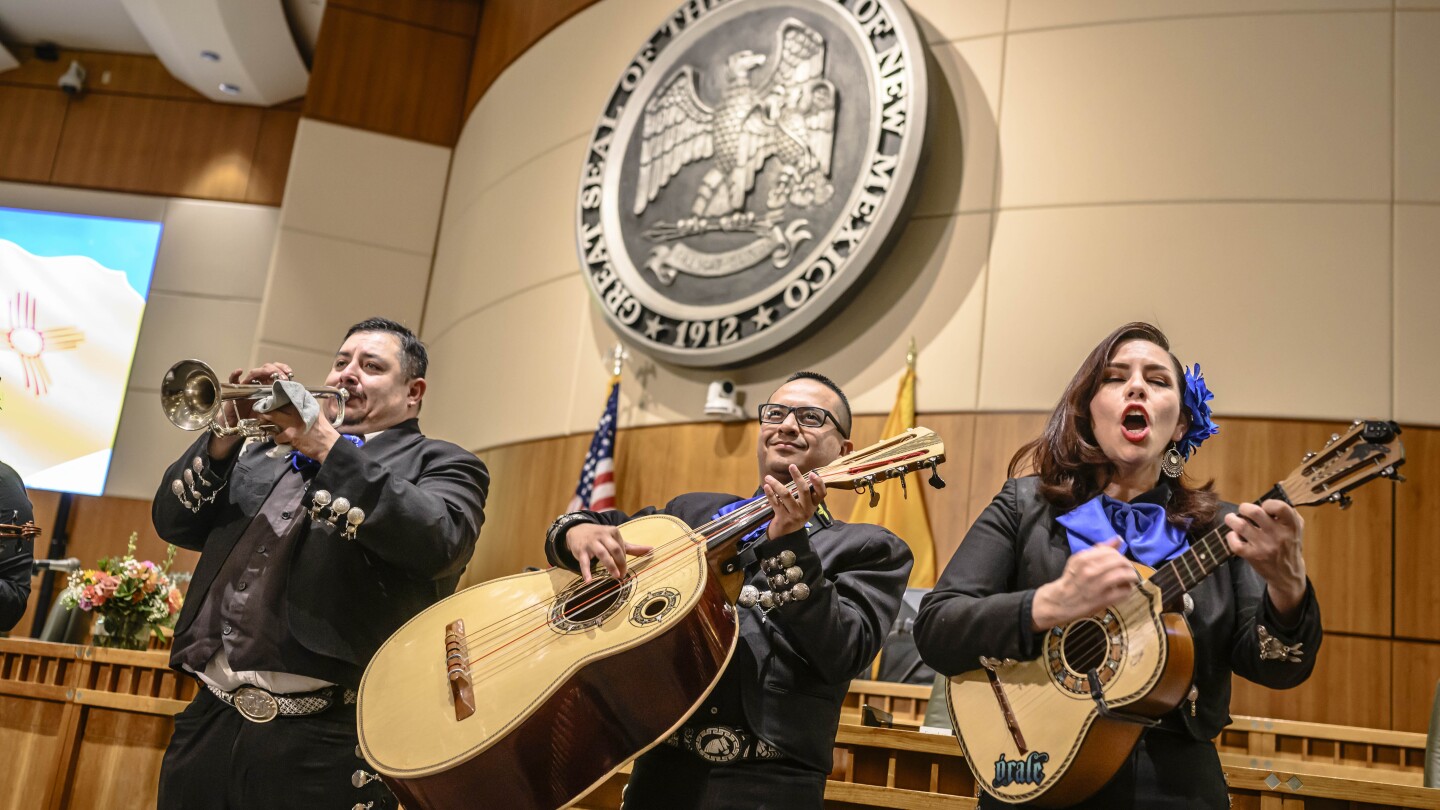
(174, 600)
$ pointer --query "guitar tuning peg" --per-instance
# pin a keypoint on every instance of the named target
(874, 496)
(1342, 500)
(1393, 475)
(1308, 456)
(935, 480)
(904, 491)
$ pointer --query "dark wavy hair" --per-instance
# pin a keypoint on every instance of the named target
(1070, 463)
(413, 357)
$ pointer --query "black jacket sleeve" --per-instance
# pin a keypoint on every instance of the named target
(976, 607)
(1269, 662)
(16, 553)
(199, 481)
(840, 627)
(438, 515)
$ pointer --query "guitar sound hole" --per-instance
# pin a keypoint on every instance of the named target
(593, 601)
(654, 608)
(1085, 646)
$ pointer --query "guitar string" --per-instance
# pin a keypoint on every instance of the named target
(854, 465)
(606, 585)
(754, 508)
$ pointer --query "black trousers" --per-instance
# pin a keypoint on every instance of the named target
(218, 760)
(666, 778)
(1166, 770)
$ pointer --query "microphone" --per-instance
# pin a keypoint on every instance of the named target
(68, 565)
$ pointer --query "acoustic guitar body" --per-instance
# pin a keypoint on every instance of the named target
(1145, 661)
(568, 682)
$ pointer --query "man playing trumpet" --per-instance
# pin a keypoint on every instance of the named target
(309, 561)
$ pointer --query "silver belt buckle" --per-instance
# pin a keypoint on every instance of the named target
(256, 705)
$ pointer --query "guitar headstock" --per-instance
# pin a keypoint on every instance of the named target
(1364, 452)
(911, 451)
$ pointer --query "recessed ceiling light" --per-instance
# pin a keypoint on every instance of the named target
(210, 56)
(229, 89)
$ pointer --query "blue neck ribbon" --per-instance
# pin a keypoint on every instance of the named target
(1144, 534)
(302, 462)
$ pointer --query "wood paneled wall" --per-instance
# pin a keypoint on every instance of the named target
(507, 29)
(1375, 566)
(397, 67)
(138, 129)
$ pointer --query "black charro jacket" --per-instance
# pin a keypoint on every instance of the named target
(981, 606)
(423, 501)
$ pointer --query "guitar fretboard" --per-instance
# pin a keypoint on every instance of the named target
(1199, 561)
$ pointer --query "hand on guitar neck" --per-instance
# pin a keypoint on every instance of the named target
(593, 543)
(793, 509)
(1269, 537)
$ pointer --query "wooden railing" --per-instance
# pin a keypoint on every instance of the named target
(86, 725)
(88, 728)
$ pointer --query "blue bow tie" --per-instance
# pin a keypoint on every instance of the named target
(303, 463)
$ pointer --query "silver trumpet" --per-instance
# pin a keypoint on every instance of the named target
(192, 395)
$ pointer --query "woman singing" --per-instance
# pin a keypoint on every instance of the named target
(1057, 546)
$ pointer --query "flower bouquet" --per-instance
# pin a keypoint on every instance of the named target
(133, 598)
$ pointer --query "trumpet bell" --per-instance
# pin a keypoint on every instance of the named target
(190, 395)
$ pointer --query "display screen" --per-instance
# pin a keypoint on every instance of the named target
(73, 290)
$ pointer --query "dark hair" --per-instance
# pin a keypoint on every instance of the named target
(413, 356)
(1072, 466)
(843, 417)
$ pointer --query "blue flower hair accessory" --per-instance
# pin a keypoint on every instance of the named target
(1196, 401)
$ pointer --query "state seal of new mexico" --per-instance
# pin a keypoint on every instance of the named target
(751, 165)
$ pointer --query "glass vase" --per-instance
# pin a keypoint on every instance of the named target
(122, 632)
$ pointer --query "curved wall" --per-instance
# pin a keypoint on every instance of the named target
(1255, 177)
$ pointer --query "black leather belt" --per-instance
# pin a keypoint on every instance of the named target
(260, 706)
(722, 744)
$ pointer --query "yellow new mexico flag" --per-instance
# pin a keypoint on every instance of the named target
(906, 517)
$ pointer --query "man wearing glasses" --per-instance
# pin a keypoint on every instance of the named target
(765, 735)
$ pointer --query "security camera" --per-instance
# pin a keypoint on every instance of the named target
(720, 401)
(73, 82)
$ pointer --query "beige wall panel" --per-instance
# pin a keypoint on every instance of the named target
(949, 20)
(1058, 13)
(215, 249)
(519, 233)
(84, 201)
(507, 373)
(931, 288)
(145, 444)
(1418, 5)
(554, 92)
(959, 173)
(1417, 106)
(1417, 330)
(216, 330)
(319, 286)
(1255, 293)
(364, 187)
(310, 365)
(1209, 108)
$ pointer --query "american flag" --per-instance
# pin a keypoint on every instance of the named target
(596, 490)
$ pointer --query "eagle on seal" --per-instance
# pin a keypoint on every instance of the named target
(790, 116)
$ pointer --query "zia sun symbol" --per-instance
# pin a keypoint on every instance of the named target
(31, 343)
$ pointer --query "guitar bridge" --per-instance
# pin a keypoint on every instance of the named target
(457, 669)
(1114, 714)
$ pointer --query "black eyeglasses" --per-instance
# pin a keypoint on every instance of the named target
(806, 416)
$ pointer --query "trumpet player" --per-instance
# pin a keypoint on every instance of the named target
(309, 560)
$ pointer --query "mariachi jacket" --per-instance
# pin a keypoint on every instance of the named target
(422, 502)
(981, 606)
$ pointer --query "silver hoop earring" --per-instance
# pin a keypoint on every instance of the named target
(1172, 463)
